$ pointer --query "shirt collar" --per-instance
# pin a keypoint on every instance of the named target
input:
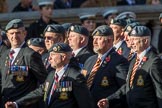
(104, 55)
(118, 44)
(62, 71)
(77, 51)
(142, 54)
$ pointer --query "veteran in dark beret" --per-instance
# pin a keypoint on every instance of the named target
(22, 68)
(66, 86)
(106, 71)
(36, 28)
(66, 26)
(119, 44)
(143, 86)
(37, 44)
(53, 34)
(127, 30)
(78, 41)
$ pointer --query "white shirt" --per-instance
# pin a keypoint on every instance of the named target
(61, 72)
(16, 50)
(77, 51)
(118, 45)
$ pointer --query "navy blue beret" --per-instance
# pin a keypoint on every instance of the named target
(119, 22)
(39, 42)
(79, 29)
(60, 48)
(130, 26)
(66, 26)
(56, 28)
(140, 31)
(103, 30)
(14, 24)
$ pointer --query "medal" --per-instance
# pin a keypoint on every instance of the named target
(140, 81)
(20, 78)
(104, 81)
(63, 96)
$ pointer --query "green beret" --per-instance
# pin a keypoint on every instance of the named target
(39, 42)
(55, 28)
(119, 22)
(140, 31)
(79, 29)
(66, 26)
(14, 24)
(60, 48)
(130, 26)
(103, 30)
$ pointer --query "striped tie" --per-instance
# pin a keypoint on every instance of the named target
(134, 71)
(93, 73)
(54, 86)
(130, 55)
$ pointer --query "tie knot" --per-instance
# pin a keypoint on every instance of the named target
(11, 53)
(99, 60)
(56, 77)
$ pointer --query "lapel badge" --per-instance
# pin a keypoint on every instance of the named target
(140, 81)
(84, 72)
(104, 81)
(46, 86)
(120, 51)
(63, 96)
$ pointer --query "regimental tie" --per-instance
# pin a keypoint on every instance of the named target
(11, 57)
(93, 73)
(54, 86)
(130, 55)
(135, 67)
(10, 60)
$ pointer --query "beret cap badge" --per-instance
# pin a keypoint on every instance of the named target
(129, 28)
(112, 21)
(15, 25)
(72, 28)
(29, 42)
(49, 29)
(133, 32)
(55, 49)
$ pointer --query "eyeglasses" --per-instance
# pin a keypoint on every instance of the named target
(49, 38)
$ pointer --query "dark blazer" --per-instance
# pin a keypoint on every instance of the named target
(146, 91)
(124, 50)
(14, 89)
(110, 76)
(83, 55)
(3, 47)
(78, 97)
(36, 29)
